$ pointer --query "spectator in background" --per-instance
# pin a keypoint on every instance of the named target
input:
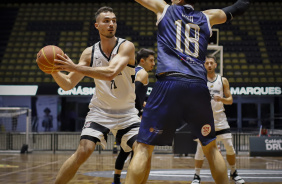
(47, 122)
(264, 132)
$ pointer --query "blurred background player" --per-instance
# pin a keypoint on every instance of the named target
(220, 95)
(145, 61)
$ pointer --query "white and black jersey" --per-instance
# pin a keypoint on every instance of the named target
(216, 89)
(112, 99)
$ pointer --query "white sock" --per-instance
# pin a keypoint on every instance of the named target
(197, 171)
(233, 168)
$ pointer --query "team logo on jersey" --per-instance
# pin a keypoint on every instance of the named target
(98, 63)
(211, 86)
(153, 130)
(206, 129)
(87, 124)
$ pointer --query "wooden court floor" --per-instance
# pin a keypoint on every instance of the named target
(42, 167)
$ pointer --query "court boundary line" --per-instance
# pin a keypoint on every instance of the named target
(6, 174)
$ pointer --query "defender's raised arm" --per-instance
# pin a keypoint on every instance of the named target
(220, 16)
(157, 6)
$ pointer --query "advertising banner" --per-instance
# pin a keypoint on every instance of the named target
(265, 146)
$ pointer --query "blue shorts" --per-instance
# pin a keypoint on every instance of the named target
(174, 100)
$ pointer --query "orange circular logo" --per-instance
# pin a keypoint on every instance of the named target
(206, 129)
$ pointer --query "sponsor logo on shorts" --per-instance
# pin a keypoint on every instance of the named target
(206, 129)
(87, 124)
(153, 130)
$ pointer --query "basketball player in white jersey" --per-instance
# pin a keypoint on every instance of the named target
(220, 95)
(111, 63)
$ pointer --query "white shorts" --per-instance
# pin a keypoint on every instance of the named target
(125, 127)
(224, 136)
(220, 121)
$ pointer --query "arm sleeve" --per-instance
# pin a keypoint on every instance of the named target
(236, 9)
(140, 91)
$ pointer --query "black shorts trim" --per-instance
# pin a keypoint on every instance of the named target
(120, 133)
(90, 138)
(131, 141)
(100, 128)
(224, 131)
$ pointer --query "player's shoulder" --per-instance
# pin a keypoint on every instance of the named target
(224, 80)
(127, 45)
(142, 76)
(127, 42)
(87, 51)
(143, 72)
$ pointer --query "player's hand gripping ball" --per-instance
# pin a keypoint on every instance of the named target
(46, 56)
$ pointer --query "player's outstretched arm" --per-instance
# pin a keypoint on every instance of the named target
(69, 81)
(125, 56)
(157, 6)
(220, 16)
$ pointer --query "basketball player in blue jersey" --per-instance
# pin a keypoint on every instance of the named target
(181, 92)
(111, 62)
(145, 61)
(220, 95)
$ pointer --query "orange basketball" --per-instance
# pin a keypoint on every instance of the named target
(46, 56)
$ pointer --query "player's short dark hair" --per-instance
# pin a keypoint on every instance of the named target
(210, 56)
(103, 9)
(190, 1)
(143, 53)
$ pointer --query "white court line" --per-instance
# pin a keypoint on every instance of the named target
(9, 158)
(264, 177)
(6, 174)
(206, 172)
(269, 159)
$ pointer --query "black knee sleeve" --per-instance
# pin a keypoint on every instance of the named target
(121, 159)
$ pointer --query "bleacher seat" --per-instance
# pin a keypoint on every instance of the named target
(251, 43)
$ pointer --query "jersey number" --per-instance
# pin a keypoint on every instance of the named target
(113, 84)
(188, 39)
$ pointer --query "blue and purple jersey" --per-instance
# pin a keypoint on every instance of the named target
(183, 36)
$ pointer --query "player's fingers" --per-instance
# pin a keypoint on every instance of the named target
(58, 62)
(66, 56)
(61, 57)
(59, 68)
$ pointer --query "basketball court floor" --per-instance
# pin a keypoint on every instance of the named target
(42, 167)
